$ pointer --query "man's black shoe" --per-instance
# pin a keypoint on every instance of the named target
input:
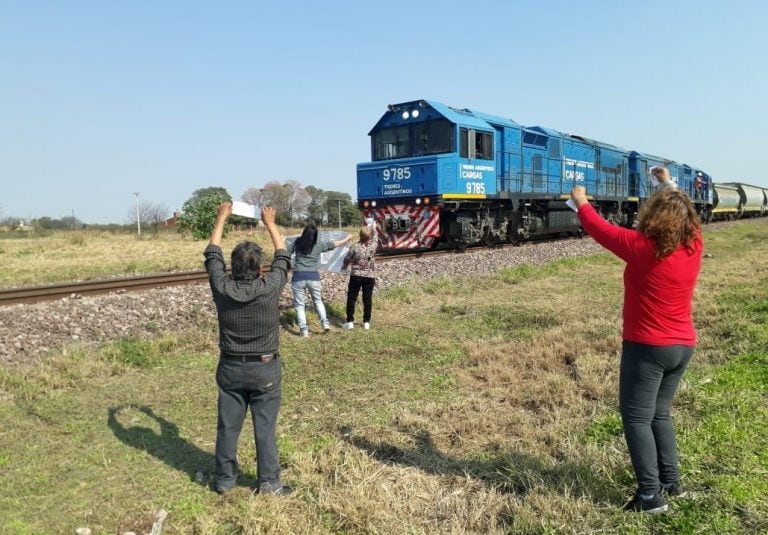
(654, 505)
(276, 490)
(675, 490)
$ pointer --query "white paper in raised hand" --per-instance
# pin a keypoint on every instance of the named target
(572, 205)
(246, 210)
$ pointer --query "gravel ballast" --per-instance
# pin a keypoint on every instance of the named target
(28, 332)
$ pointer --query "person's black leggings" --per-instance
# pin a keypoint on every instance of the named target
(647, 384)
(355, 283)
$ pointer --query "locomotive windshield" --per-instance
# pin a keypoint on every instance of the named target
(419, 139)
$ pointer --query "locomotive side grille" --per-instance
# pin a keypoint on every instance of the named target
(538, 176)
(554, 149)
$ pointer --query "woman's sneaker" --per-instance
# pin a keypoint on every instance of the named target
(349, 325)
(366, 325)
(674, 490)
(655, 504)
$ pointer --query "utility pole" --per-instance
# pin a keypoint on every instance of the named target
(339, 213)
(138, 216)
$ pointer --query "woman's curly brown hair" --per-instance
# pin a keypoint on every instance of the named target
(670, 220)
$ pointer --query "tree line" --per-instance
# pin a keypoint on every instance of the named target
(293, 203)
(152, 216)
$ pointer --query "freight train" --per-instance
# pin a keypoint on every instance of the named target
(453, 177)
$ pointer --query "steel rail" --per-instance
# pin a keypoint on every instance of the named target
(35, 294)
(51, 292)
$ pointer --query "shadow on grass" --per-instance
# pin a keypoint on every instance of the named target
(166, 446)
(508, 472)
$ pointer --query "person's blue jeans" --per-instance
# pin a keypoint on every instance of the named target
(647, 384)
(243, 385)
(300, 300)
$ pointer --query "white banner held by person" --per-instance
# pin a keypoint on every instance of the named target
(330, 260)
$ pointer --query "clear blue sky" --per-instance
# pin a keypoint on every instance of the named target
(102, 99)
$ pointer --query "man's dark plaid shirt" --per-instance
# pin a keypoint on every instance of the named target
(249, 317)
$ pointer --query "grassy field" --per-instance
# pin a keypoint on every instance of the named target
(65, 256)
(470, 407)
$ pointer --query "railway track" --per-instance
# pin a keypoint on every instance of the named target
(58, 291)
(51, 292)
(36, 294)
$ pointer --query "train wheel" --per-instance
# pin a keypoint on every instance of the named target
(490, 240)
(458, 245)
(513, 235)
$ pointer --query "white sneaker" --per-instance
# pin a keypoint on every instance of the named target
(349, 325)
(366, 325)
(305, 334)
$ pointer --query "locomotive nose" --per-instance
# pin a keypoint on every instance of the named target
(398, 223)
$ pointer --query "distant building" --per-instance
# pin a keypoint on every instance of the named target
(172, 221)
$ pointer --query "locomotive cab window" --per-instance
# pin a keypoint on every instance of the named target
(391, 143)
(433, 137)
(474, 144)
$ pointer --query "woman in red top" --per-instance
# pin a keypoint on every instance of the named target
(663, 259)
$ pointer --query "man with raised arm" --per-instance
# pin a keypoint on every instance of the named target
(660, 178)
(249, 370)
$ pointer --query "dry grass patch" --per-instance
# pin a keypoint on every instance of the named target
(364, 492)
(66, 256)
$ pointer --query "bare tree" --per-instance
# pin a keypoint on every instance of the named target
(157, 215)
(298, 199)
(152, 214)
(253, 196)
(290, 199)
(276, 196)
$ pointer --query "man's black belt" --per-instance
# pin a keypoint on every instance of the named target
(269, 357)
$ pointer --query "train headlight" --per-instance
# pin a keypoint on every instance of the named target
(426, 200)
(415, 113)
(406, 115)
(373, 204)
(365, 204)
(417, 201)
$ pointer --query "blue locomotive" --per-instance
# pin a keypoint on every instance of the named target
(440, 175)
